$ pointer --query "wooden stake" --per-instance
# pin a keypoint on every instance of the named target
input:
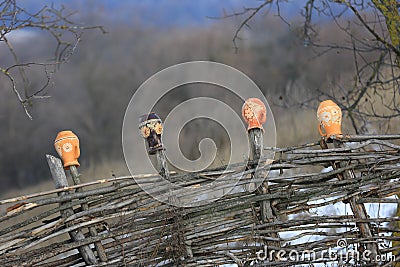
(358, 209)
(162, 166)
(92, 230)
(256, 147)
(60, 181)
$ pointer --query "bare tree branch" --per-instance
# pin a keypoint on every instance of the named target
(372, 28)
(58, 23)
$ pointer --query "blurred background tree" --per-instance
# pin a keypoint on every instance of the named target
(298, 52)
(16, 21)
(368, 32)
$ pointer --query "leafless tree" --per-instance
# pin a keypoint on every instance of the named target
(372, 38)
(55, 22)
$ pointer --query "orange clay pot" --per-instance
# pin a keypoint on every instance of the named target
(330, 119)
(254, 113)
(67, 146)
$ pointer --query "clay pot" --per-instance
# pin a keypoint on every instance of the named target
(254, 113)
(330, 119)
(150, 126)
(67, 146)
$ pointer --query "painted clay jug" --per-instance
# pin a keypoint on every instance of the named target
(254, 113)
(330, 119)
(150, 126)
(67, 146)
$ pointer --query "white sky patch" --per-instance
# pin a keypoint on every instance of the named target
(21, 36)
(374, 210)
(324, 170)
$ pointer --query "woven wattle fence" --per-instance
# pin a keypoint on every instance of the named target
(314, 192)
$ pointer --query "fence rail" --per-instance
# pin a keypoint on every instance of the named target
(312, 190)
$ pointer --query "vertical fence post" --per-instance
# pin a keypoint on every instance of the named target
(60, 181)
(92, 230)
(162, 166)
(151, 128)
(329, 116)
(256, 147)
(254, 113)
(358, 209)
(67, 146)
